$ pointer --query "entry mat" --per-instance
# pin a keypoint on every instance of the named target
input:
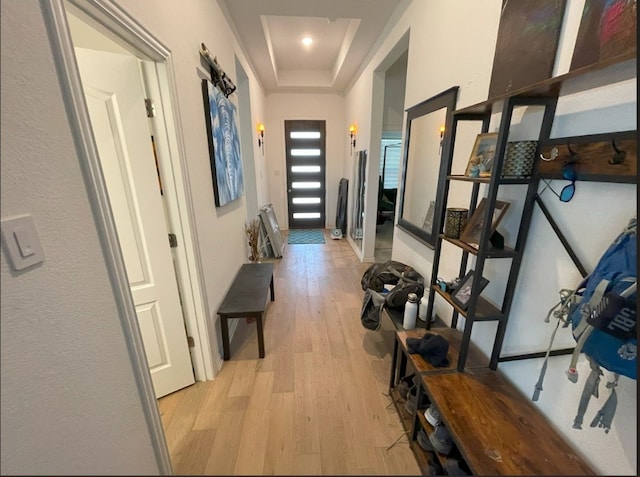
(305, 236)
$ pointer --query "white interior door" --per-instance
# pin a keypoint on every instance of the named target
(115, 98)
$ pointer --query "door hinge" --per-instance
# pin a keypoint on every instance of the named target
(173, 241)
(191, 342)
(150, 107)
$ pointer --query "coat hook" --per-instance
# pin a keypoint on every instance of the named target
(574, 157)
(618, 156)
(552, 156)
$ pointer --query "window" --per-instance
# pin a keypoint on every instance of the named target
(390, 165)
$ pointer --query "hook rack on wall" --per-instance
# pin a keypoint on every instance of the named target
(607, 157)
(218, 76)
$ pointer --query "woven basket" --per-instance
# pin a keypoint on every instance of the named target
(518, 161)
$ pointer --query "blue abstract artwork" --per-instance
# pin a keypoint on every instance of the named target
(224, 145)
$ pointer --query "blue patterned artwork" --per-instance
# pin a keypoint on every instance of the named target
(224, 145)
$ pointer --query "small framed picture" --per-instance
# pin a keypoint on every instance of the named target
(462, 294)
(473, 229)
(482, 156)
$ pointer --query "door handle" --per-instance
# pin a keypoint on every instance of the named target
(289, 190)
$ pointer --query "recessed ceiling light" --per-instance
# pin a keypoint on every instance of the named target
(307, 41)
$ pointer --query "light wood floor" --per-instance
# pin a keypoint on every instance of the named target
(315, 404)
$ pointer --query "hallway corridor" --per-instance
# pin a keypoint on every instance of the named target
(316, 404)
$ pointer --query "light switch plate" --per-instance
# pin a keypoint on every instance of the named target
(21, 241)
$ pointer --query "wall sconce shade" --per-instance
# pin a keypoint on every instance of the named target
(260, 130)
(352, 136)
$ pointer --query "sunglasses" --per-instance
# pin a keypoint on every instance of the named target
(567, 192)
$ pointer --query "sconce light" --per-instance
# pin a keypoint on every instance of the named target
(352, 136)
(260, 129)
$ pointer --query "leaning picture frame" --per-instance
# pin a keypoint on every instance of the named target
(462, 294)
(483, 155)
(473, 230)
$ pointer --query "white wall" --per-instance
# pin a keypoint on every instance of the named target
(452, 43)
(327, 107)
(70, 404)
(394, 90)
(182, 27)
(69, 400)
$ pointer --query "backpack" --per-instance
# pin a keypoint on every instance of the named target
(602, 314)
(406, 280)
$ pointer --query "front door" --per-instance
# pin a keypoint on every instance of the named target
(115, 98)
(305, 152)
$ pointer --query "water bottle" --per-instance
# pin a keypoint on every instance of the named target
(422, 309)
(410, 312)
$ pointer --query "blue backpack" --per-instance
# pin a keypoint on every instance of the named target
(602, 314)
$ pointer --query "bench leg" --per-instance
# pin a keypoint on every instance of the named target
(225, 337)
(273, 293)
(260, 336)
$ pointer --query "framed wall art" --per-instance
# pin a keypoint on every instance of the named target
(224, 145)
(473, 230)
(528, 37)
(608, 30)
(462, 294)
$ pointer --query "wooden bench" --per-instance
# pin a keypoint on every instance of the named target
(494, 426)
(246, 299)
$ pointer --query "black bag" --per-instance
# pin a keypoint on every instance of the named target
(389, 272)
(406, 280)
(397, 297)
(371, 308)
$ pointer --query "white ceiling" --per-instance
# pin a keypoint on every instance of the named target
(344, 31)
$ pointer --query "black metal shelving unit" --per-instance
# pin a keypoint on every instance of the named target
(479, 308)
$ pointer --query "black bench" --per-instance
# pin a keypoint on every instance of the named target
(246, 299)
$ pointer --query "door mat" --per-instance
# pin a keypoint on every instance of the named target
(305, 236)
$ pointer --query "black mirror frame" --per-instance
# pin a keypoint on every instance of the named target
(446, 99)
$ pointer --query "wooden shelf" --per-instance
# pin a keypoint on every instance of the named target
(497, 429)
(485, 310)
(506, 252)
(486, 180)
(548, 88)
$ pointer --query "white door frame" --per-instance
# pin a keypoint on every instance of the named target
(173, 168)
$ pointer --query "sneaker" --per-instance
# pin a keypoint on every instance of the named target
(403, 389)
(441, 440)
(455, 467)
(410, 406)
(423, 441)
(432, 415)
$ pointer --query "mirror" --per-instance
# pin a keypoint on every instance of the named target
(357, 215)
(424, 172)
